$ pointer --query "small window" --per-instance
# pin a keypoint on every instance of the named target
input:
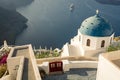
(103, 43)
(88, 42)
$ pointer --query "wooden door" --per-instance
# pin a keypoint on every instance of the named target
(55, 66)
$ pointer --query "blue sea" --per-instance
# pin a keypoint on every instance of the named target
(52, 24)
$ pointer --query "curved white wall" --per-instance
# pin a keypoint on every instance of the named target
(65, 50)
(95, 42)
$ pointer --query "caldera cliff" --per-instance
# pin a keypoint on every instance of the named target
(12, 23)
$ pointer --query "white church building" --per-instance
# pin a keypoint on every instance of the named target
(94, 36)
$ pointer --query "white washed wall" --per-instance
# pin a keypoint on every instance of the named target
(106, 70)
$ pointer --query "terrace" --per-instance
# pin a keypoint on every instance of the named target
(75, 74)
(44, 53)
(28, 72)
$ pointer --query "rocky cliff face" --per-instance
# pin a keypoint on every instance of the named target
(12, 23)
(111, 2)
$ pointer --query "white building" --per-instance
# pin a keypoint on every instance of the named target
(94, 36)
(109, 66)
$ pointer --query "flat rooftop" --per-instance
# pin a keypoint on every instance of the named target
(28, 72)
(75, 74)
(113, 57)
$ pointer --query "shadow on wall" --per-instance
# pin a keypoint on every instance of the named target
(110, 2)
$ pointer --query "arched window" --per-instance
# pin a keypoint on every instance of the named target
(103, 43)
(88, 42)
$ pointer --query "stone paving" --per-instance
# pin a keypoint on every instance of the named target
(75, 74)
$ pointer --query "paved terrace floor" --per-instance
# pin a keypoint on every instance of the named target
(75, 74)
(28, 73)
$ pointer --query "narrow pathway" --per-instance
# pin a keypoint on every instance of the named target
(75, 74)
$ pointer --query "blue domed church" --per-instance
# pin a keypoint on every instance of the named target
(94, 36)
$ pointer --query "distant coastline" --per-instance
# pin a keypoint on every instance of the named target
(12, 23)
(110, 2)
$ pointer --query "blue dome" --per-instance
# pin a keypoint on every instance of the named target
(96, 26)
